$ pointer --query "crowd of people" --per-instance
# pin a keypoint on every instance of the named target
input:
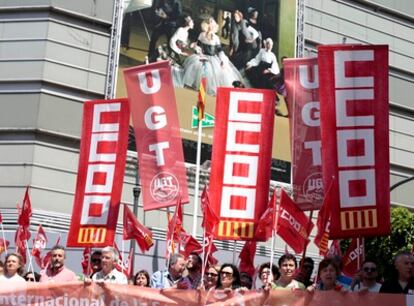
(248, 60)
(187, 273)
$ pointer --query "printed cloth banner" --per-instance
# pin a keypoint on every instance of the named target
(355, 137)
(293, 226)
(101, 170)
(76, 293)
(354, 257)
(157, 134)
(241, 157)
(302, 85)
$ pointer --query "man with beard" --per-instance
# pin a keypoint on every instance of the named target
(173, 276)
(56, 270)
(369, 275)
(109, 273)
(194, 263)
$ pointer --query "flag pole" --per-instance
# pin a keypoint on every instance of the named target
(4, 238)
(272, 247)
(30, 258)
(234, 252)
(198, 161)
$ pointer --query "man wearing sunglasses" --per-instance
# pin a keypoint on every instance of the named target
(369, 275)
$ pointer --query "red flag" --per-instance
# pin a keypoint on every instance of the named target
(4, 244)
(21, 237)
(189, 244)
(354, 118)
(40, 241)
(293, 225)
(125, 266)
(240, 161)
(157, 132)
(267, 220)
(201, 103)
(175, 223)
(1, 218)
(334, 249)
(247, 257)
(135, 230)
(25, 212)
(86, 266)
(322, 236)
(210, 219)
(353, 258)
(44, 262)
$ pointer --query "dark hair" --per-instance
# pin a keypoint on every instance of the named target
(325, 263)
(35, 274)
(145, 273)
(1, 264)
(369, 260)
(246, 280)
(97, 252)
(275, 270)
(199, 260)
(236, 276)
(287, 257)
(309, 260)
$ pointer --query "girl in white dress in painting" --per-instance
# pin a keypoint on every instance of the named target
(218, 69)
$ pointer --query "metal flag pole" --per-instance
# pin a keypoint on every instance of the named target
(198, 161)
(4, 238)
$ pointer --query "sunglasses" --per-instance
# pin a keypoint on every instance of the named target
(30, 279)
(370, 269)
(225, 273)
(208, 274)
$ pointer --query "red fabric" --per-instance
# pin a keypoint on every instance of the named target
(334, 249)
(40, 241)
(293, 226)
(302, 86)
(322, 236)
(86, 265)
(354, 257)
(355, 137)
(1, 218)
(241, 158)
(157, 132)
(267, 221)
(247, 258)
(132, 229)
(174, 229)
(210, 219)
(101, 170)
(26, 211)
(20, 238)
(189, 244)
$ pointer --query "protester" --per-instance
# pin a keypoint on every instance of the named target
(194, 264)
(173, 276)
(403, 282)
(56, 270)
(246, 281)
(306, 270)
(211, 277)
(229, 277)
(109, 273)
(32, 277)
(327, 275)
(1, 268)
(342, 279)
(13, 269)
(368, 278)
(96, 262)
(287, 266)
(142, 279)
(268, 275)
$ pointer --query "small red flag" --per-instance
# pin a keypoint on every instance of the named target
(40, 241)
(267, 221)
(335, 249)
(86, 266)
(201, 103)
(135, 230)
(324, 219)
(294, 227)
(26, 211)
(210, 219)
(353, 257)
(1, 218)
(247, 257)
(4, 244)
(189, 244)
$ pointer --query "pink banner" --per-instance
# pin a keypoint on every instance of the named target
(301, 79)
(355, 138)
(240, 170)
(157, 133)
(100, 173)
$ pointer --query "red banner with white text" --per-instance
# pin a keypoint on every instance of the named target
(101, 170)
(240, 170)
(76, 293)
(355, 137)
(157, 133)
(302, 85)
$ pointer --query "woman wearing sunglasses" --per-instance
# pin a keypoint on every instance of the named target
(32, 277)
(211, 277)
(229, 278)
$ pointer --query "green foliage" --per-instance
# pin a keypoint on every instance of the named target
(383, 249)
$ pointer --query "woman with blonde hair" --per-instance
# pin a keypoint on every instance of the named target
(210, 61)
(13, 269)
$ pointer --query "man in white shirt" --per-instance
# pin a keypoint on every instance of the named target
(369, 276)
(109, 273)
(261, 69)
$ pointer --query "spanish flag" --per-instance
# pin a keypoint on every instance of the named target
(201, 99)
